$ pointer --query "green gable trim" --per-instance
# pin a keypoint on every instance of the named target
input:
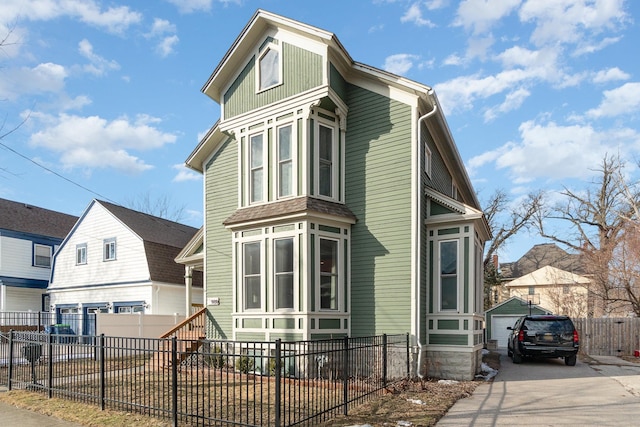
(447, 231)
(329, 229)
(250, 336)
(328, 323)
(438, 209)
(301, 71)
(284, 323)
(448, 339)
(252, 323)
(448, 324)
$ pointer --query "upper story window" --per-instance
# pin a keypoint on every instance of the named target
(41, 255)
(326, 163)
(285, 161)
(269, 67)
(252, 275)
(81, 254)
(256, 162)
(449, 275)
(427, 160)
(109, 249)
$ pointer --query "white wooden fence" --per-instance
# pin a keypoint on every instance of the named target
(609, 336)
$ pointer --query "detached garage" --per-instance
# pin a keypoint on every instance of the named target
(505, 314)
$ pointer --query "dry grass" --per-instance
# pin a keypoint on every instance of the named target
(422, 403)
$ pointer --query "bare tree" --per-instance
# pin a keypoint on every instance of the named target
(161, 206)
(600, 219)
(505, 221)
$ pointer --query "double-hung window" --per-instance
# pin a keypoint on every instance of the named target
(285, 162)
(252, 275)
(329, 278)
(283, 272)
(81, 254)
(449, 275)
(326, 166)
(41, 255)
(109, 249)
(256, 163)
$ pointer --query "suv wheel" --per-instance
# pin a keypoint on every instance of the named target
(570, 360)
(518, 358)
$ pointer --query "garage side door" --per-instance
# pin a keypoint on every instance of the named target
(499, 329)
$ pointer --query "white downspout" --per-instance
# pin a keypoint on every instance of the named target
(421, 224)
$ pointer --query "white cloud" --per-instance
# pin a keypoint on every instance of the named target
(98, 65)
(512, 101)
(94, 142)
(594, 46)
(609, 75)
(414, 15)
(166, 46)
(185, 174)
(112, 19)
(46, 77)
(399, 63)
(436, 4)
(555, 152)
(619, 101)
(161, 27)
(190, 6)
(479, 15)
(165, 31)
(571, 21)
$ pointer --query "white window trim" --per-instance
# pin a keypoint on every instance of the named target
(106, 242)
(276, 157)
(35, 255)
(334, 158)
(83, 247)
(340, 274)
(458, 274)
(258, 56)
(296, 273)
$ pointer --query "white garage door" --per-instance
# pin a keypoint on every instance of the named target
(499, 329)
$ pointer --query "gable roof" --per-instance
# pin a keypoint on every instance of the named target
(25, 218)
(548, 275)
(539, 256)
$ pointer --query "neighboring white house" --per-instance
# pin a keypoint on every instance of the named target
(117, 260)
(29, 236)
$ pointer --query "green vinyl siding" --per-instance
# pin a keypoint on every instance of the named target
(287, 337)
(221, 183)
(440, 177)
(378, 192)
(337, 82)
(284, 323)
(252, 323)
(301, 71)
(250, 336)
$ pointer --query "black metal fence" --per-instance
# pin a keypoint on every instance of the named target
(41, 321)
(207, 382)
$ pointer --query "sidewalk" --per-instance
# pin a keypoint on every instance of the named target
(12, 416)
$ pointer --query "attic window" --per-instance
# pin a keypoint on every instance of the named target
(269, 67)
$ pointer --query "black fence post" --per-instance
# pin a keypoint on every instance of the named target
(174, 380)
(345, 372)
(385, 359)
(409, 360)
(102, 371)
(278, 390)
(10, 373)
(50, 365)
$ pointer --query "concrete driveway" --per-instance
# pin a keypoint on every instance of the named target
(603, 392)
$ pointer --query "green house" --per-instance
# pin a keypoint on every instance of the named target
(336, 203)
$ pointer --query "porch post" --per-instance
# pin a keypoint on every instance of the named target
(188, 281)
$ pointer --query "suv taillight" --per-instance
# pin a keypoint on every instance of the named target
(521, 335)
(575, 336)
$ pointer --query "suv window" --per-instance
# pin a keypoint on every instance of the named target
(561, 326)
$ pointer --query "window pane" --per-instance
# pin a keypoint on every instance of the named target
(252, 292)
(42, 256)
(325, 180)
(328, 274)
(256, 151)
(256, 185)
(449, 293)
(256, 168)
(284, 291)
(284, 255)
(325, 161)
(252, 258)
(325, 143)
(284, 158)
(269, 69)
(285, 188)
(449, 257)
(284, 141)
(284, 273)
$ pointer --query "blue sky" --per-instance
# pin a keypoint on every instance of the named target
(108, 93)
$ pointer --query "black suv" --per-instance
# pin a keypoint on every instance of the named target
(543, 336)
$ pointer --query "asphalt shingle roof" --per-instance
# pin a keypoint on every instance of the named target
(25, 218)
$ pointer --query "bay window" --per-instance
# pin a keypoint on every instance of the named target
(449, 275)
(252, 275)
(325, 160)
(283, 272)
(328, 274)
